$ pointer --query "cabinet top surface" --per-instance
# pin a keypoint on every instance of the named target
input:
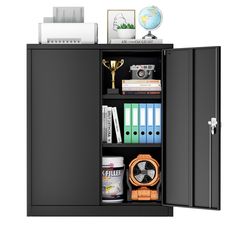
(99, 46)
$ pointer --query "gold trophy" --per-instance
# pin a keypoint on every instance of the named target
(113, 66)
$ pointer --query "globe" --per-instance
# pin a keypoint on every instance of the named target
(150, 18)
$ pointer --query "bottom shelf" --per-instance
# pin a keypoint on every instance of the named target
(101, 210)
(132, 145)
(134, 203)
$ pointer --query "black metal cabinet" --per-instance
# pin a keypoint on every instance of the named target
(64, 129)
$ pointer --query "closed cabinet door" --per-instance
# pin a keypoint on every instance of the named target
(191, 157)
(64, 136)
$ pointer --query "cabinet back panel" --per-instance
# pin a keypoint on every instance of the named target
(119, 104)
(130, 58)
(129, 154)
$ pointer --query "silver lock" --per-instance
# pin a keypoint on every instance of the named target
(213, 123)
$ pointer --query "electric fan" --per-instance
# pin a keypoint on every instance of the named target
(144, 174)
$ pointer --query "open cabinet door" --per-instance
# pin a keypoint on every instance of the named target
(191, 154)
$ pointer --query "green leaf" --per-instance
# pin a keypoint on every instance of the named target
(126, 26)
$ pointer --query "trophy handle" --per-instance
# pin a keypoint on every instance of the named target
(120, 63)
(104, 63)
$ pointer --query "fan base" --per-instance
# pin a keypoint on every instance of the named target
(144, 194)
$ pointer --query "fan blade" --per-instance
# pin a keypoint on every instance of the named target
(140, 177)
(142, 165)
(151, 173)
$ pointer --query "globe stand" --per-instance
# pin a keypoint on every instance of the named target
(149, 35)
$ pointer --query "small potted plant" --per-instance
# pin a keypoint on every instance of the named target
(126, 31)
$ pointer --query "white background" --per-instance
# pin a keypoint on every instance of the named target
(186, 23)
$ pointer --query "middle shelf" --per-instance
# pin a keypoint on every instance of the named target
(127, 97)
(122, 145)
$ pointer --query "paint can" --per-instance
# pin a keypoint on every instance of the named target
(112, 179)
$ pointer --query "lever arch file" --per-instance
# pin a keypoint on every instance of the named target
(142, 123)
(150, 128)
(127, 123)
(157, 123)
(135, 123)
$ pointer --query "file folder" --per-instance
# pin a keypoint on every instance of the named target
(127, 123)
(142, 123)
(135, 122)
(150, 128)
(157, 123)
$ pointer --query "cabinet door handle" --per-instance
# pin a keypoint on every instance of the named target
(212, 124)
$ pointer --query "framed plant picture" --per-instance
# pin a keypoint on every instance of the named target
(119, 19)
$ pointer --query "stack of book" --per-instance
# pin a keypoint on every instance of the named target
(141, 86)
(107, 114)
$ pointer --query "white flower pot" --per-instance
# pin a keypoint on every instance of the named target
(126, 33)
